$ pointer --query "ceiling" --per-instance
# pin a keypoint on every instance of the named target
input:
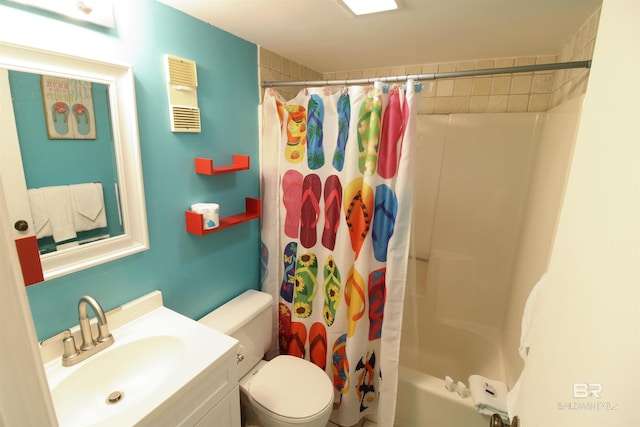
(323, 36)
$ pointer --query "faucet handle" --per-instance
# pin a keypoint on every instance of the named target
(103, 333)
(70, 349)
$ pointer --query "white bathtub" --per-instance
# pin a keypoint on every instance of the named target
(423, 401)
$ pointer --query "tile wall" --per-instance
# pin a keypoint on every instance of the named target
(520, 92)
(571, 83)
(275, 68)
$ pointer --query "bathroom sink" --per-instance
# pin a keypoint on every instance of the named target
(114, 380)
(152, 358)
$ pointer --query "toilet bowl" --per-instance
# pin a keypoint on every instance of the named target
(285, 391)
(276, 390)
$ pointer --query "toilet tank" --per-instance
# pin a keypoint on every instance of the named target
(247, 318)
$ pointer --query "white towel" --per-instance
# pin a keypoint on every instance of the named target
(39, 214)
(67, 245)
(58, 200)
(512, 398)
(489, 396)
(528, 317)
(88, 206)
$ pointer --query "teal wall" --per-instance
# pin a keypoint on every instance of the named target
(195, 274)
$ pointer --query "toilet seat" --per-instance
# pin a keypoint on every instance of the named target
(279, 388)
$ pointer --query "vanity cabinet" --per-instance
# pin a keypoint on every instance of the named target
(211, 399)
(225, 413)
(205, 166)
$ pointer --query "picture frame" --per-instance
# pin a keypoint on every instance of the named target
(68, 108)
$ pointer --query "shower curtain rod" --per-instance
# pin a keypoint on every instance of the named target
(434, 76)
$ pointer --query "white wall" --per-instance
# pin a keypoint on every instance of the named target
(588, 330)
(24, 396)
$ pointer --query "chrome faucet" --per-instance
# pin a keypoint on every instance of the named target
(89, 346)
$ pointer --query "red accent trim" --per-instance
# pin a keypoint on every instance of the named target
(194, 219)
(29, 255)
(205, 166)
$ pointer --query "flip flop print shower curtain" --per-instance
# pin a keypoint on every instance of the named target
(337, 191)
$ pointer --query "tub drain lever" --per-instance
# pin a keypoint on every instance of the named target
(449, 384)
(463, 390)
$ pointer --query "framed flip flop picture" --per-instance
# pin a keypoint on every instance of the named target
(68, 108)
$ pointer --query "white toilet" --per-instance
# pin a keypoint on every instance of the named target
(286, 391)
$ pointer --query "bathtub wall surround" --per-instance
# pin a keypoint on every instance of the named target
(475, 288)
(543, 204)
(455, 301)
(464, 306)
(195, 274)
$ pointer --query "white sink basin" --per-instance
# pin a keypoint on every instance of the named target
(115, 380)
(152, 358)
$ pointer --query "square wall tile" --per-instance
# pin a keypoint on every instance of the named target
(521, 84)
(479, 104)
(481, 86)
(463, 86)
(500, 85)
(444, 87)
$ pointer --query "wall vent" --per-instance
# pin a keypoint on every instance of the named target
(182, 88)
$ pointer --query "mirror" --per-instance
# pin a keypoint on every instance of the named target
(65, 147)
(105, 148)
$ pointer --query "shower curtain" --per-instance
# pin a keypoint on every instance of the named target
(337, 189)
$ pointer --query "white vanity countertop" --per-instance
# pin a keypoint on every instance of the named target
(199, 348)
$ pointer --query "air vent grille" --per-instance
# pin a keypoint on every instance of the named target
(182, 71)
(182, 89)
(185, 119)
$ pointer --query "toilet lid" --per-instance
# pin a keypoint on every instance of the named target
(292, 387)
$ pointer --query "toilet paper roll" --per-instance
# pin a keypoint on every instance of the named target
(210, 214)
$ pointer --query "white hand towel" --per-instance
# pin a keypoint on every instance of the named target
(528, 317)
(489, 396)
(512, 398)
(67, 245)
(88, 206)
(39, 214)
(58, 200)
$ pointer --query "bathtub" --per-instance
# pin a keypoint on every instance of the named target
(423, 401)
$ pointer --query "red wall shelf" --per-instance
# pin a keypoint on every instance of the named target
(205, 166)
(194, 219)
